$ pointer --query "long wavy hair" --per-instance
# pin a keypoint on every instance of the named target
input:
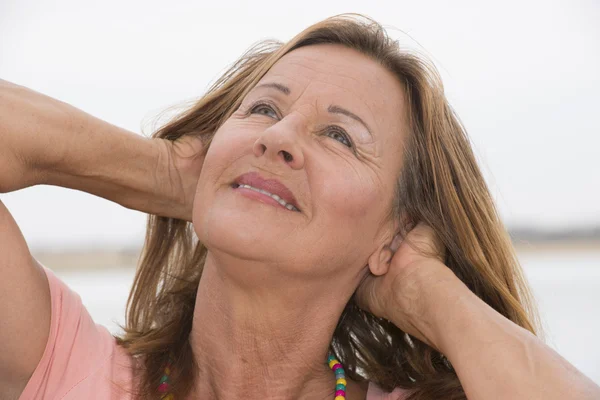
(439, 184)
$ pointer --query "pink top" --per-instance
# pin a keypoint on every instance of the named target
(82, 360)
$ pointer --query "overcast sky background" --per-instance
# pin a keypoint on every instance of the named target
(523, 76)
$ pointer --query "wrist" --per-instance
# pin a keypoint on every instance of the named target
(170, 191)
(449, 307)
(433, 299)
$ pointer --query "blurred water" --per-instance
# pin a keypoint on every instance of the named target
(567, 289)
(566, 286)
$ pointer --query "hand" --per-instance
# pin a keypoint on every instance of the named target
(185, 157)
(400, 295)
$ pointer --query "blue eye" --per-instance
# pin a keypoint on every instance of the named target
(337, 133)
(262, 106)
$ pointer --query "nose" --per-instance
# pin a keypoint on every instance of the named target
(280, 142)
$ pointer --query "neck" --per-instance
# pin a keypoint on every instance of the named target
(256, 335)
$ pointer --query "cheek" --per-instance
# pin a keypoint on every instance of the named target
(352, 214)
(350, 200)
(348, 219)
(227, 146)
(218, 157)
(230, 143)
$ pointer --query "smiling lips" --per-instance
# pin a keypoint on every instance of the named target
(270, 187)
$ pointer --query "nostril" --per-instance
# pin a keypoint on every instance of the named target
(287, 156)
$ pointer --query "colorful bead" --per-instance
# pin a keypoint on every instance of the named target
(163, 387)
(334, 364)
(340, 375)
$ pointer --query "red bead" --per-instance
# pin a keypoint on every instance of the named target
(340, 393)
(163, 387)
(336, 366)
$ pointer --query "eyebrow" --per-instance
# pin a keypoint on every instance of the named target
(333, 109)
(282, 88)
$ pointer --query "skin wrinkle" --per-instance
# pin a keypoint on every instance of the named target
(335, 148)
(360, 143)
(320, 80)
(275, 282)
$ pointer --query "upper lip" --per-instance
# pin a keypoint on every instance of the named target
(270, 185)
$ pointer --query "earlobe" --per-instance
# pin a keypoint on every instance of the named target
(379, 262)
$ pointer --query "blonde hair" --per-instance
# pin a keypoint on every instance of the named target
(439, 184)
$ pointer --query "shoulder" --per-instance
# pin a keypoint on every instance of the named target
(376, 393)
(77, 348)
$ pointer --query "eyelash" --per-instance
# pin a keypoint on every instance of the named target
(335, 129)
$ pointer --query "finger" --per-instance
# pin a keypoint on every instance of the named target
(426, 240)
(396, 242)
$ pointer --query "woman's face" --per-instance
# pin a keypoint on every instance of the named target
(300, 125)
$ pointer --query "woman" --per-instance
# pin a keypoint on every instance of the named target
(342, 243)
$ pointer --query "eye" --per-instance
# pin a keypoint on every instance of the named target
(262, 109)
(336, 132)
(339, 134)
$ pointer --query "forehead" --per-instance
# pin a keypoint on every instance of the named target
(332, 73)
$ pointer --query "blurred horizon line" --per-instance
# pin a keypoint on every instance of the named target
(522, 236)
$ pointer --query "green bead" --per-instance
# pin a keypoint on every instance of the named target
(164, 379)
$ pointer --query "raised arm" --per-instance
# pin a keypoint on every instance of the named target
(45, 141)
(495, 358)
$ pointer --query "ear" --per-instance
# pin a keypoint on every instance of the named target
(379, 261)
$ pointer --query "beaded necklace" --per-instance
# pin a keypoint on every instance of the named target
(334, 364)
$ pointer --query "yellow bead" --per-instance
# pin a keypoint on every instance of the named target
(332, 363)
(171, 397)
(167, 371)
(340, 381)
(340, 398)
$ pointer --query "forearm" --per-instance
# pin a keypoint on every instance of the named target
(45, 141)
(495, 358)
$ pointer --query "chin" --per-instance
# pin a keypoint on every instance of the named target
(242, 233)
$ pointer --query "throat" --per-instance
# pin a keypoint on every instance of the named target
(254, 343)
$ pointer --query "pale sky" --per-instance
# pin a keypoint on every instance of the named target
(523, 76)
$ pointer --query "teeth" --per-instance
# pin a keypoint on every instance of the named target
(277, 198)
